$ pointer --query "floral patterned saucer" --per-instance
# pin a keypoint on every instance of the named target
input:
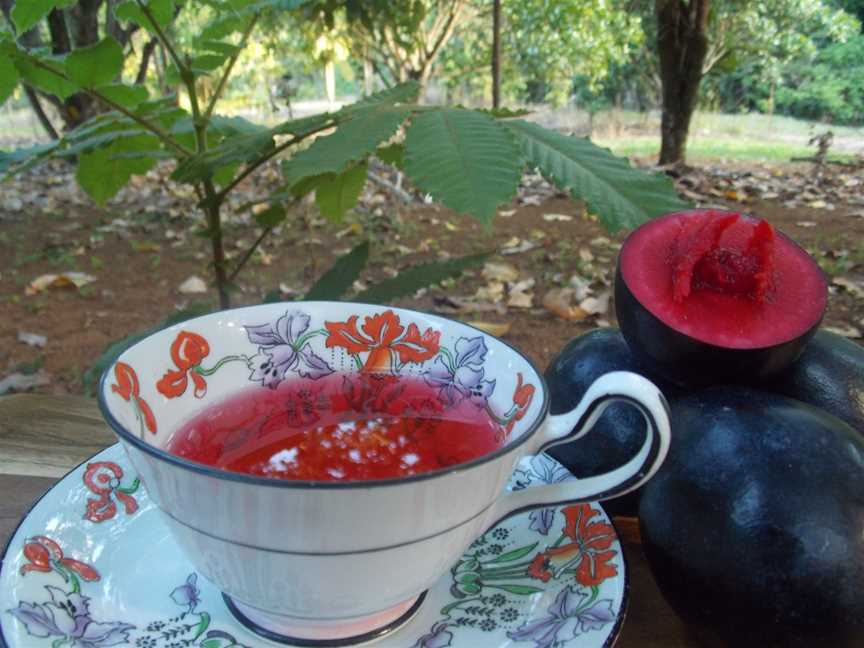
(92, 565)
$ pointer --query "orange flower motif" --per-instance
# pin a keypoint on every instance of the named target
(187, 352)
(45, 555)
(589, 553)
(522, 398)
(128, 389)
(385, 339)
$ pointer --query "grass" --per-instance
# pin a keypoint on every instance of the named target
(711, 148)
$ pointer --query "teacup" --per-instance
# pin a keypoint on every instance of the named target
(334, 562)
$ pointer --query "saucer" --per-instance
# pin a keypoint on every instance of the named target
(93, 565)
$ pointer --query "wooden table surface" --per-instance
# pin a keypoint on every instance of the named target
(43, 437)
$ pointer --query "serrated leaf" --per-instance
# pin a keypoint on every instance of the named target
(272, 216)
(505, 113)
(393, 154)
(8, 78)
(95, 65)
(516, 554)
(97, 140)
(225, 174)
(465, 159)
(102, 173)
(401, 93)
(621, 195)
(12, 162)
(232, 150)
(221, 47)
(342, 275)
(303, 125)
(128, 96)
(162, 11)
(335, 194)
(520, 590)
(352, 141)
(42, 79)
(279, 5)
(419, 276)
(26, 13)
(224, 24)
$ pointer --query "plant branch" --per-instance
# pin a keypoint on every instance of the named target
(249, 253)
(220, 88)
(162, 36)
(33, 98)
(250, 169)
(145, 123)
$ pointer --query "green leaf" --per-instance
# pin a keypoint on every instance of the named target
(19, 160)
(271, 217)
(220, 47)
(463, 158)
(505, 113)
(128, 96)
(336, 194)
(352, 141)
(339, 278)
(206, 63)
(419, 276)
(621, 195)
(102, 173)
(394, 155)
(96, 65)
(42, 79)
(520, 590)
(224, 175)
(303, 125)
(113, 350)
(162, 11)
(232, 150)
(401, 93)
(516, 554)
(27, 13)
(224, 24)
(8, 78)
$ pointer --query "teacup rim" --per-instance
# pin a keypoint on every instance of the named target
(125, 435)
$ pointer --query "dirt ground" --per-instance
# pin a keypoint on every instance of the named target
(143, 246)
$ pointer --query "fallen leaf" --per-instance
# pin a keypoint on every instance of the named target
(506, 213)
(586, 255)
(557, 217)
(817, 204)
(492, 328)
(531, 200)
(581, 287)
(520, 297)
(850, 286)
(21, 382)
(192, 285)
(516, 245)
(847, 331)
(43, 282)
(32, 339)
(495, 271)
(596, 305)
(491, 292)
(806, 223)
(559, 302)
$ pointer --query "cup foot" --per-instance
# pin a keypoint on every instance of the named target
(312, 633)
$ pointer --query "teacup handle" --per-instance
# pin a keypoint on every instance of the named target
(615, 386)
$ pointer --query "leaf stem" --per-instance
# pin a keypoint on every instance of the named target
(208, 112)
(449, 608)
(150, 126)
(249, 253)
(209, 372)
(251, 168)
(162, 36)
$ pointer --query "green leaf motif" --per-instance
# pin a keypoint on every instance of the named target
(96, 65)
(520, 590)
(128, 96)
(335, 194)
(26, 13)
(8, 78)
(623, 197)
(516, 554)
(272, 216)
(161, 10)
(42, 79)
(352, 141)
(465, 159)
(419, 276)
(339, 278)
(101, 173)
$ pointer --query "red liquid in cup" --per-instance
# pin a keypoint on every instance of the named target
(342, 427)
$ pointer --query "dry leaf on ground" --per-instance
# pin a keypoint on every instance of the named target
(193, 286)
(492, 328)
(32, 339)
(557, 217)
(847, 331)
(22, 382)
(559, 302)
(62, 280)
(520, 297)
(495, 271)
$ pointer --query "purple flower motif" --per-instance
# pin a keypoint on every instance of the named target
(438, 637)
(545, 470)
(462, 377)
(188, 595)
(282, 348)
(67, 616)
(571, 615)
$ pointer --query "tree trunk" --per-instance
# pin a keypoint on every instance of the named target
(496, 53)
(682, 44)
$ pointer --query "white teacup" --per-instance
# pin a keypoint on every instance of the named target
(329, 561)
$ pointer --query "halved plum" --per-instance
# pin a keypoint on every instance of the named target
(709, 296)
